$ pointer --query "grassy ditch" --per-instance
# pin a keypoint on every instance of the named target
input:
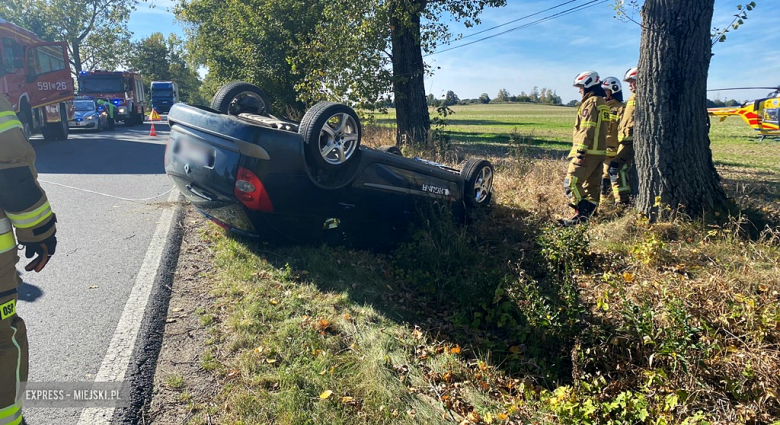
(509, 320)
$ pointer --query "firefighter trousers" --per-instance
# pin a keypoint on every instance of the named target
(13, 334)
(618, 172)
(583, 179)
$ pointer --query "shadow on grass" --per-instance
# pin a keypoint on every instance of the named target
(486, 287)
(753, 167)
(501, 147)
(454, 121)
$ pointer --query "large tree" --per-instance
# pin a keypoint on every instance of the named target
(673, 155)
(95, 30)
(252, 40)
(364, 40)
(355, 51)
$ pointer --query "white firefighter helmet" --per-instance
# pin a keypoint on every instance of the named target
(631, 74)
(612, 84)
(586, 79)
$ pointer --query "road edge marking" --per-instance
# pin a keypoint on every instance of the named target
(120, 350)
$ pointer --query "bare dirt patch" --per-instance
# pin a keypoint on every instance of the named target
(180, 382)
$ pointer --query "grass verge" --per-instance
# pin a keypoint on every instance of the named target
(510, 320)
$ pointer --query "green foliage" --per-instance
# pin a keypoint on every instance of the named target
(626, 407)
(651, 250)
(95, 30)
(502, 96)
(302, 52)
(432, 101)
(566, 249)
(719, 35)
(255, 41)
(544, 96)
(440, 138)
(443, 259)
(484, 98)
(158, 59)
(451, 98)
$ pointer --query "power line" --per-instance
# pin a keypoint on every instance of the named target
(518, 19)
(591, 3)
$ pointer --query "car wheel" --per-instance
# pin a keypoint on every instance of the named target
(391, 149)
(240, 97)
(478, 174)
(332, 133)
(57, 130)
(25, 116)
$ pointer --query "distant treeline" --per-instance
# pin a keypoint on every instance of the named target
(721, 103)
(542, 96)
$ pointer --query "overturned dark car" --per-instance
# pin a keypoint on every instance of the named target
(279, 180)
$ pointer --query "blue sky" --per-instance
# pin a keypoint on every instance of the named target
(550, 54)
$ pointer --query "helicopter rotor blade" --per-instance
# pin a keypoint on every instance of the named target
(747, 88)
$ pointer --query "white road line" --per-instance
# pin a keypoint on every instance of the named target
(117, 358)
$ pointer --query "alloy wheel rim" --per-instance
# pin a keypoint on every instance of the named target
(483, 184)
(338, 138)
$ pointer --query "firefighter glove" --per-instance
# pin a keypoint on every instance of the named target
(42, 251)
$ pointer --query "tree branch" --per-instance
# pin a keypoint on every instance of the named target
(89, 28)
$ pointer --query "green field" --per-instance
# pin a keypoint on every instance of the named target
(487, 128)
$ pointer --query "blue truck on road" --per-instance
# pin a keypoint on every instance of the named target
(164, 94)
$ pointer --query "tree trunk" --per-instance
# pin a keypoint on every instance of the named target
(76, 57)
(411, 107)
(673, 156)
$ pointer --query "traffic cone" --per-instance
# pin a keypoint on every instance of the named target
(152, 132)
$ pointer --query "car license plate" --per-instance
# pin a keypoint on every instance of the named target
(195, 153)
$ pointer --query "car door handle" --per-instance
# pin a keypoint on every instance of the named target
(199, 194)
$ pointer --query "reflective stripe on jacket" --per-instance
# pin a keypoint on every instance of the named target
(616, 110)
(11, 415)
(590, 127)
(9, 120)
(626, 127)
(23, 202)
(110, 106)
(7, 240)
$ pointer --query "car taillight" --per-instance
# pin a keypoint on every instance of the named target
(251, 192)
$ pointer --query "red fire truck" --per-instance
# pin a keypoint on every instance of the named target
(35, 78)
(124, 89)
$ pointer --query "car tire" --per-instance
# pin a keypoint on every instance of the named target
(25, 117)
(241, 97)
(331, 133)
(391, 149)
(478, 174)
(57, 130)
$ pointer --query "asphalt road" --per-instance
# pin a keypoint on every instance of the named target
(73, 307)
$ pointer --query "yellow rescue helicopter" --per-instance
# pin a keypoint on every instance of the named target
(762, 115)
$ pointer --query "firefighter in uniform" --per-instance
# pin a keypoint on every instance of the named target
(614, 98)
(23, 206)
(587, 155)
(109, 107)
(618, 167)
